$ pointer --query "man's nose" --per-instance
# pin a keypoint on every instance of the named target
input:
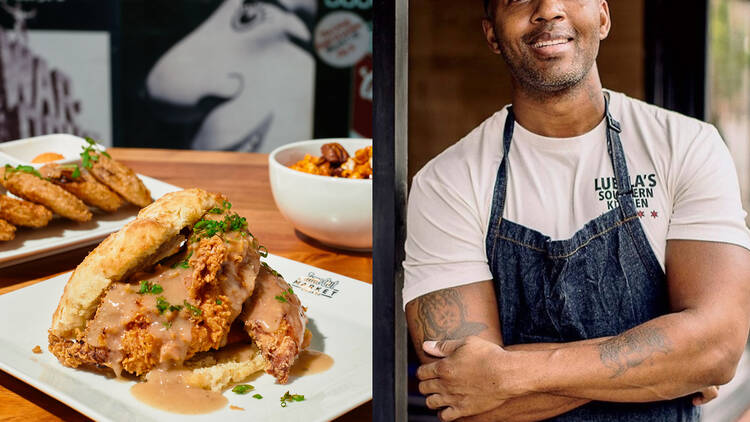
(548, 10)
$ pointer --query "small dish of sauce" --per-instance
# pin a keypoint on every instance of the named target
(47, 157)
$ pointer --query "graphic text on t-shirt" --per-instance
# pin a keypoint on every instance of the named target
(643, 185)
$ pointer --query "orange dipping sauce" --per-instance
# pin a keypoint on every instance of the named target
(47, 157)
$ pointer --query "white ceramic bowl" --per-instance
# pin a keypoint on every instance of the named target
(333, 210)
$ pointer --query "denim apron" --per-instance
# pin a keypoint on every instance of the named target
(600, 282)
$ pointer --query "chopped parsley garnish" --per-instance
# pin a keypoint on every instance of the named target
(87, 158)
(184, 263)
(243, 389)
(286, 398)
(218, 301)
(225, 206)
(235, 222)
(257, 396)
(284, 295)
(192, 308)
(76, 170)
(147, 287)
(162, 304)
(209, 228)
(271, 270)
(263, 251)
(167, 324)
(26, 169)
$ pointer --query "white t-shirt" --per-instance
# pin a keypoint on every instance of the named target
(683, 178)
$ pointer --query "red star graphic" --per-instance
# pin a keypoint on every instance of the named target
(640, 214)
(654, 214)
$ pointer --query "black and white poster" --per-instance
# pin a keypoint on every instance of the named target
(55, 61)
(239, 75)
(244, 75)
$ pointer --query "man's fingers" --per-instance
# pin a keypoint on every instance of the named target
(448, 414)
(430, 387)
(436, 401)
(427, 371)
(442, 348)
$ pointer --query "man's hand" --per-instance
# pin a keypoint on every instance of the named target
(467, 381)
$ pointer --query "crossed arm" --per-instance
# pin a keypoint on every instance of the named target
(694, 347)
(471, 310)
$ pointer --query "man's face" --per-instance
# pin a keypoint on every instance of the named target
(549, 45)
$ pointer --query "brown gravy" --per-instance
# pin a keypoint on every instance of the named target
(311, 362)
(165, 390)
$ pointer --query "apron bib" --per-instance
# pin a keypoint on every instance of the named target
(602, 281)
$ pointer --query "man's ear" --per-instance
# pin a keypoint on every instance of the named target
(489, 34)
(605, 23)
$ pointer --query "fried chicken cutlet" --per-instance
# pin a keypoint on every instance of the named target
(31, 186)
(120, 178)
(82, 184)
(275, 320)
(23, 213)
(7, 231)
(162, 317)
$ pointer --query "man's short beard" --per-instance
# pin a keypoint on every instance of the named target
(544, 83)
(531, 79)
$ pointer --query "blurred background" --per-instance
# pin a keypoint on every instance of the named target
(241, 75)
(692, 57)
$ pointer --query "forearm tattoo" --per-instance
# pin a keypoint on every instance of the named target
(632, 348)
(442, 316)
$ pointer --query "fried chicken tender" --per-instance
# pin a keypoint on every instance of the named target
(75, 353)
(85, 186)
(35, 189)
(121, 179)
(7, 231)
(165, 316)
(23, 213)
(275, 320)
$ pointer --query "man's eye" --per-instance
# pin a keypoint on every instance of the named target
(249, 14)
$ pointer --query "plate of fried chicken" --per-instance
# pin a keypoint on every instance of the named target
(56, 201)
(183, 314)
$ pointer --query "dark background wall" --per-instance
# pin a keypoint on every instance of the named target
(455, 82)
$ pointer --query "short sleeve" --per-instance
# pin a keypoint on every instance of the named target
(445, 239)
(707, 204)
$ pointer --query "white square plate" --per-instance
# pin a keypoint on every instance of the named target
(63, 235)
(340, 312)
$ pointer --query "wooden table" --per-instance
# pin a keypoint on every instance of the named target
(243, 178)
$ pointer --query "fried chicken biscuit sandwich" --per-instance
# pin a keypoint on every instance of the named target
(164, 291)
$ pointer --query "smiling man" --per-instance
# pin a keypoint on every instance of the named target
(580, 255)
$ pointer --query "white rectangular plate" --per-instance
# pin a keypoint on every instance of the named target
(62, 234)
(340, 312)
